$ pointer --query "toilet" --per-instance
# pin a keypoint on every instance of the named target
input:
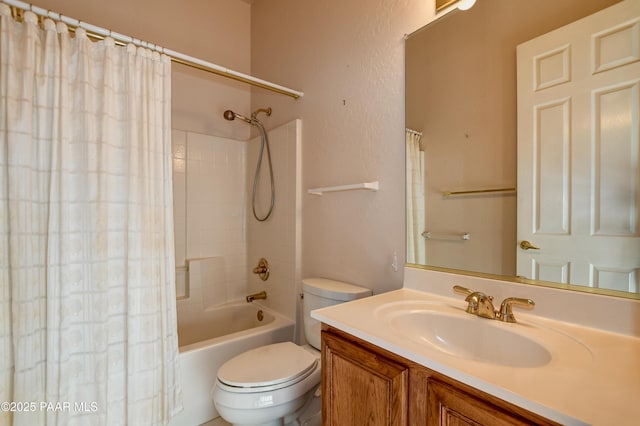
(274, 384)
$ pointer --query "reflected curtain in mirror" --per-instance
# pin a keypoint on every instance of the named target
(416, 247)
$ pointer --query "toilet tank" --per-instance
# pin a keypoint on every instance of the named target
(320, 293)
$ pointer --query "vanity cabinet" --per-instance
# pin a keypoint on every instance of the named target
(364, 387)
(363, 384)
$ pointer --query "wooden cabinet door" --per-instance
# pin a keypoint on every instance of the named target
(360, 387)
(448, 406)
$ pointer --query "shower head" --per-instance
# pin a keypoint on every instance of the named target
(230, 115)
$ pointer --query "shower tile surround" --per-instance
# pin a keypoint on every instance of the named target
(209, 203)
(213, 180)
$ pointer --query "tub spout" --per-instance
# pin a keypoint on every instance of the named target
(256, 296)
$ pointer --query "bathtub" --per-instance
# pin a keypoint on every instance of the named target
(219, 335)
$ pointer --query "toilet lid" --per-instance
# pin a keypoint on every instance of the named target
(267, 366)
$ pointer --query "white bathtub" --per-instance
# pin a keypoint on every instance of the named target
(218, 336)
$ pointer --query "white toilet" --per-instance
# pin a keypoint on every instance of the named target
(274, 384)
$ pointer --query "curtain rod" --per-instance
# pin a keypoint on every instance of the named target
(96, 32)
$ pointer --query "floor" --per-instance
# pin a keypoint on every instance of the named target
(315, 420)
(216, 422)
(310, 417)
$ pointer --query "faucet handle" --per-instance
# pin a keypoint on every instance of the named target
(262, 270)
(506, 313)
(463, 290)
(472, 307)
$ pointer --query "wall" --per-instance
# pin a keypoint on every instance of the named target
(348, 58)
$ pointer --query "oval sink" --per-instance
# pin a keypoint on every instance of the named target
(471, 337)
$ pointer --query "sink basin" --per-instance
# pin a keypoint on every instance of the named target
(452, 331)
(472, 338)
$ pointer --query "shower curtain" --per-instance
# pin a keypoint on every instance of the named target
(416, 245)
(88, 332)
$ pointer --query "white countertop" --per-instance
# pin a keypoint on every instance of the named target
(601, 388)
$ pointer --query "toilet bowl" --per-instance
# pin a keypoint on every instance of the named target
(274, 384)
(264, 385)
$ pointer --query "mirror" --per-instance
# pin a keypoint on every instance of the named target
(461, 104)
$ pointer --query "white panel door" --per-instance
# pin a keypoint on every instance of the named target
(578, 152)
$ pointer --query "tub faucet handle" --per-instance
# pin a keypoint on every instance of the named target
(262, 269)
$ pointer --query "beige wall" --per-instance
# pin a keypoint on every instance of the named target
(348, 58)
(214, 30)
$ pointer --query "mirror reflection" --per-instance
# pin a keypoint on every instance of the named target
(524, 161)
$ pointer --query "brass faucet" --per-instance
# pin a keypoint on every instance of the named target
(482, 305)
(256, 296)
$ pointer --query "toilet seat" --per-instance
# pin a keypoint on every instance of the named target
(267, 368)
(275, 395)
(277, 383)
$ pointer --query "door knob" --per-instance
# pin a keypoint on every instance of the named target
(526, 245)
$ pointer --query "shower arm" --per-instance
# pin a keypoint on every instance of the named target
(254, 114)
